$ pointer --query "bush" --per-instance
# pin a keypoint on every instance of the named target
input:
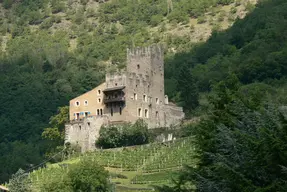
(19, 182)
(249, 6)
(57, 6)
(237, 3)
(47, 23)
(201, 20)
(7, 4)
(124, 135)
(155, 20)
(88, 176)
(221, 16)
(233, 10)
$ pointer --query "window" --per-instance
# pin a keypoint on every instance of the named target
(120, 110)
(135, 96)
(99, 92)
(112, 112)
(80, 127)
(101, 111)
(138, 66)
(156, 101)
(144, 98)
(99, 100)
(77, 115)
(86, 114)
(116, 84)
(77, 103)
(146, 113)
(89, 124)
(86, 102)
(139, 112)
(98, 112)
(156, 114)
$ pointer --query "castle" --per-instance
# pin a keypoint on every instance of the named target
(138, 92)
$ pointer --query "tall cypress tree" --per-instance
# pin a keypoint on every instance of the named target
(188, 89)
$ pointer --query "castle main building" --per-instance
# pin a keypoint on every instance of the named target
(138, 92)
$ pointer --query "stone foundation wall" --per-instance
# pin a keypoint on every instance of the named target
(84, 132)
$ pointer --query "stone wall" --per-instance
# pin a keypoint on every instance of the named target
(116, 79)
(84, 132)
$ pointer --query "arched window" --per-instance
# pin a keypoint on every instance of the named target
(146, 113)
(139, 112)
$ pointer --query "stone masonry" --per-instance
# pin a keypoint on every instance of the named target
(126, 96)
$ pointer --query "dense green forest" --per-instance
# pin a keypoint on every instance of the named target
(54, 50)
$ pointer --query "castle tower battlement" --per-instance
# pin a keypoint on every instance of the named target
(152, 50)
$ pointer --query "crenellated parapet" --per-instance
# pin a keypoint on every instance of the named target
(150, 51)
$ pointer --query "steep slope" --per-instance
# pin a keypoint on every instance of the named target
(253, 48)
(53, 50)
(130, 168)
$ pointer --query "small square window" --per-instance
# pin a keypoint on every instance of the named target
(99, 100)
(135, 96)
(86, 102)
(99, 92)
(77, 103)
(138, 66)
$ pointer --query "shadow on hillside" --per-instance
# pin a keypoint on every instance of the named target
(253, 48)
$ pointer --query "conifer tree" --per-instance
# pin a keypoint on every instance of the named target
(188, 89)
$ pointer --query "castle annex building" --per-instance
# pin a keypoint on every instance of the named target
(138, 92)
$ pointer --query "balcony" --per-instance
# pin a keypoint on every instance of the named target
(112, 100)
(112, 89)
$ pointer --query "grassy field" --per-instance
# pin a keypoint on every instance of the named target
(135, 168)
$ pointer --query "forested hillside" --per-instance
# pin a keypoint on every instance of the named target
(254, 48)
(53, 50)
(241, 140)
